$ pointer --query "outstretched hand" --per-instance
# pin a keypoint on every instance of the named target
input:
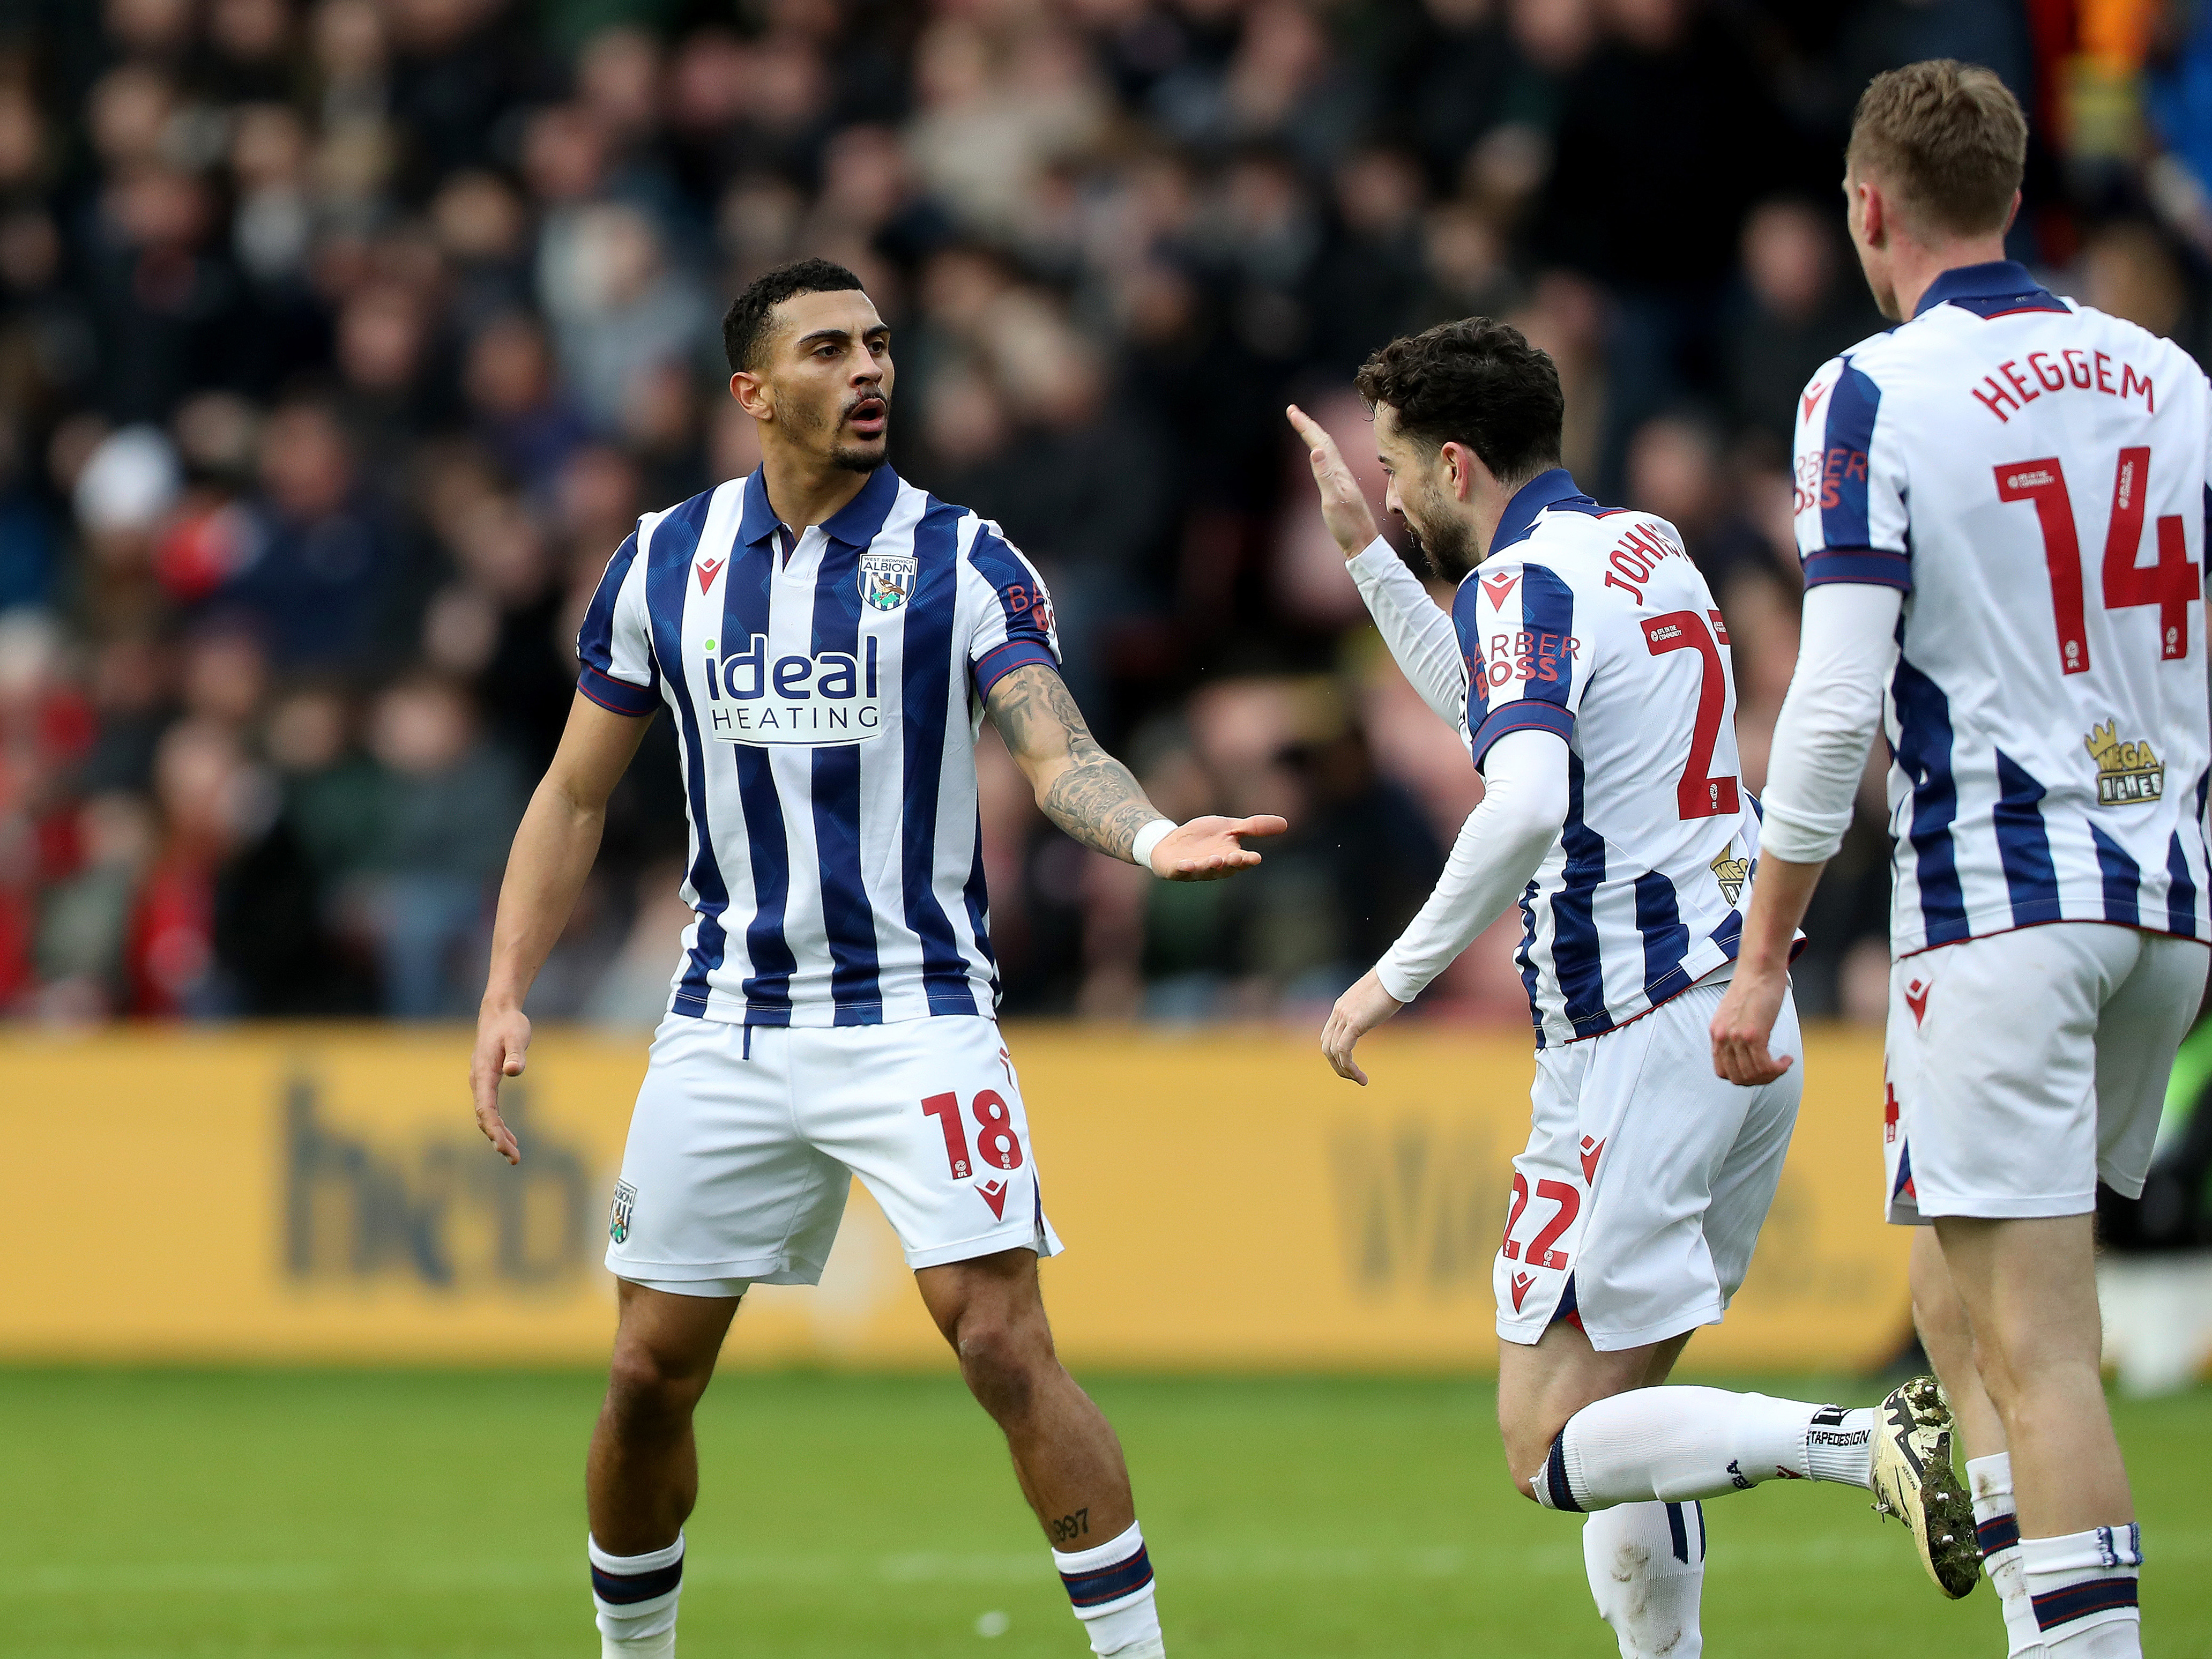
(503, 1039)
(1206, 849)
(1344, 506)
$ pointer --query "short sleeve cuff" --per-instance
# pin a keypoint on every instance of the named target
(617, 696)
(997, 662)
(1523, 715)
(1868, 566)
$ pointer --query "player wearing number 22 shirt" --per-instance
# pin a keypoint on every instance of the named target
(1585, 663)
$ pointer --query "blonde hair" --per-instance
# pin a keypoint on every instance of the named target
(1948, 137)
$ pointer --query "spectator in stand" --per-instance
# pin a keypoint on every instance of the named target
(493, 628)
(45, 730)
(1369, 285)
(314, 573)
(389, 391)
(451, 799)
(1676, 470)
(204, 796)
(622, 311)
(168, 310)
(28, 549)
(524, 418)
(1797, 308)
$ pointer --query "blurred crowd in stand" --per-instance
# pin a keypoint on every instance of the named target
(342, 341)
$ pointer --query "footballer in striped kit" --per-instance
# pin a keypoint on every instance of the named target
(828, 640)
(1585, 663)
(2001, 504)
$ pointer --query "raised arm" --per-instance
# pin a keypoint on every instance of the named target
(546, 869)
(1419, 634)
(1095, 800)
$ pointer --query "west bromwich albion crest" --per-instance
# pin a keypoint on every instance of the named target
(887, 579)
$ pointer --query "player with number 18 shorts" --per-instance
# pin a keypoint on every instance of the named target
(827, 640)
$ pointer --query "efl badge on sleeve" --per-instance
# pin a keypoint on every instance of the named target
(618, 1214)
(2126, 772)
(887, 579)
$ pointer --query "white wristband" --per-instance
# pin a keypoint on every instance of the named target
(1141, 850)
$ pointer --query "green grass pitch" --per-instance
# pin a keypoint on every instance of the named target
(357, 1514)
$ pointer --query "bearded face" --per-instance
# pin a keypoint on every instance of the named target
(1440, 538)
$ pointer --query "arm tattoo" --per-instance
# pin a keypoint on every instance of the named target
(1094, 797)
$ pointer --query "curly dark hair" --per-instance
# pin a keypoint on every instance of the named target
(1478, 382)
(745, 325)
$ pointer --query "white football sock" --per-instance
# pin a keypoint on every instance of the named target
(1996, 1529)
(635, 1597)
(2083, 1587)
(1647, 1571)
(1677, 1444)
(1111, 1586)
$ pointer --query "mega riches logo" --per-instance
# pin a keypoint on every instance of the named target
(2127, 773)
(1731, 874)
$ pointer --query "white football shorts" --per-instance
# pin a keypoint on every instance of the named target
(1645, 1181)
(746, 1138)
(2022, 1066)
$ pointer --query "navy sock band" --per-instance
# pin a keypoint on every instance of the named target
(1125, 1578)
(621, 1588)
(2062, 1607)
(1555, 1477)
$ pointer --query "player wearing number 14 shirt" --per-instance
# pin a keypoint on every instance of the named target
(2002, 507)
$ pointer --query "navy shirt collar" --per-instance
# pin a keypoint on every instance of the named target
(855, 524)
(1546, 489)
(1999, 279)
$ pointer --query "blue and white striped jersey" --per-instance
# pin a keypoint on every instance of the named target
(2031, 474)
(1595, 625)
(826, 693)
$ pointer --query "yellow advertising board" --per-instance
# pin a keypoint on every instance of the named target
(321, 1194)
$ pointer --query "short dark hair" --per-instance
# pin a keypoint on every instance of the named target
(1478, 382)
(744, 325)
(1949, 137)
